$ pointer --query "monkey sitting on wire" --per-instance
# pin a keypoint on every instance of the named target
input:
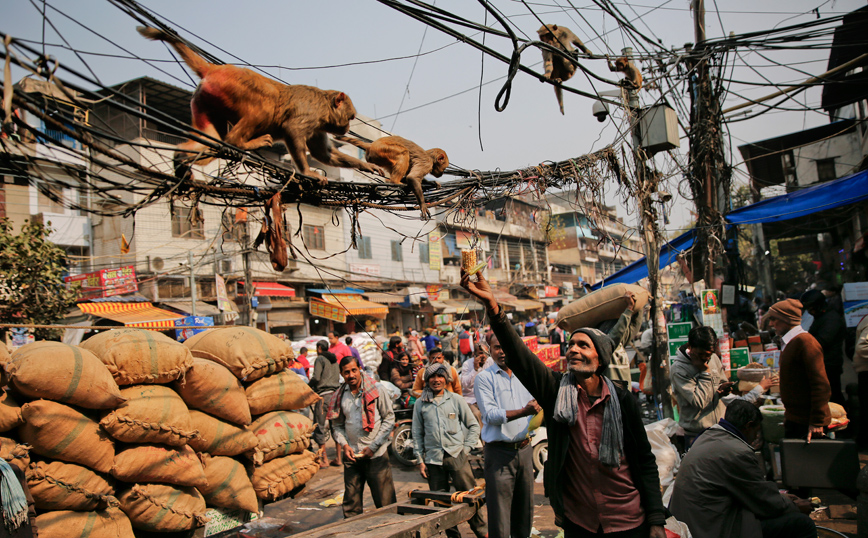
(632, 76)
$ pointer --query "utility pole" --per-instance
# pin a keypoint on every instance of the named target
(645, 190)
(709, 174)
(194, 293)
(248, 277)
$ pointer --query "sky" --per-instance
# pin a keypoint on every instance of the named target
(296, 41)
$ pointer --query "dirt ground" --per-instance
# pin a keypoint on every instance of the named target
(304, 512)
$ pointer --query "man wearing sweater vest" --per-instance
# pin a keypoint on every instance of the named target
(805, 389)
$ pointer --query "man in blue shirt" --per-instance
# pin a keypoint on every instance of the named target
(506, 408)
(444, 432)
(430, 340)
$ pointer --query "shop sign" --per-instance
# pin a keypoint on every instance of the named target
(322, 309)
(363, 271)
(105, 283)
(433, 291)
(465, 240)
(551, 291)
(435, 251)
(223, 302)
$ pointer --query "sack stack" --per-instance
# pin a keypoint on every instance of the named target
(50, 412)
(134, 430)
(278, 436)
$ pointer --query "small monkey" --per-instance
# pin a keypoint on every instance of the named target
(261, 110)
(632, 75)
(406, 162)
(558, 68)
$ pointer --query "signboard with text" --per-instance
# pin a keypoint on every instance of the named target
(362, 271)
(435, 251)
(105, 283)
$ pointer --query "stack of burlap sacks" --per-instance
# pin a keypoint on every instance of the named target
(135, 430)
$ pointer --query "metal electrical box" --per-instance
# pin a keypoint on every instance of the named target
(659, 127)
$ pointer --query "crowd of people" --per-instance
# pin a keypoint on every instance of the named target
(483, 386)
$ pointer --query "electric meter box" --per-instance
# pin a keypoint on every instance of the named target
(659, 126)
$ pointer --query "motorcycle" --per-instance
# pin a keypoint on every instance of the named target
(402, 446)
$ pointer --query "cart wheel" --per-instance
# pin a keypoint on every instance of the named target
(540, 455)
(402, 446)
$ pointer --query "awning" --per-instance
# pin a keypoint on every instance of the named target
(443, 308)
(268, 289)
(338, 306)
(522, 305)
(830, 195)
(385, 297)
(144, 315)
(202, 308)
(463, 307)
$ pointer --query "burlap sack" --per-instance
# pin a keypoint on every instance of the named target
(5, 357)
(279, 433)
(10, 412)
(212, 388)
(284, 390)
(228, 485)
(601, 305)
(67, 374)
(135, 356)
(14, 453)
(248, 353)
(66, 486)
(161, 508)
(62, 433)
(220, 438)
(110, 523)
(282, 475)
(164, 465)
(151, 414)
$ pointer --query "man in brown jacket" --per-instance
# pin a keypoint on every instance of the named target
(805, 389)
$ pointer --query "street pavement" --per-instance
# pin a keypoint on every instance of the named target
(304, 511)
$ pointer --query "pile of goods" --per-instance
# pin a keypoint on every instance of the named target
(132, 429)
(369, 349)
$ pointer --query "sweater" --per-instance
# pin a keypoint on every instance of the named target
(700, 405)
(543, 383)
(805, 389)
(326, 374)
(721, 490)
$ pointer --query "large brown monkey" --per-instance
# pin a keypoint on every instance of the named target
(406, 162)
(261, 110)
(558, 68)
(632, 78)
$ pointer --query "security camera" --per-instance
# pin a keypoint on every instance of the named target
(600, 110)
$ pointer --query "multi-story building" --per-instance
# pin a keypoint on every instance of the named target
(588, 241)
(42, 176)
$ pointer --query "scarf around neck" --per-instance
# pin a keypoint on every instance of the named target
(567, 411)
(370, 393)
(12, 498)
(436, 368)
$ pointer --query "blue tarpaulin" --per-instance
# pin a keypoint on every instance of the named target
(840, 192)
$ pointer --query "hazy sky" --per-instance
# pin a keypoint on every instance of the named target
(289, 36)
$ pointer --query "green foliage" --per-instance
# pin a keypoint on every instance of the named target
(31, 282)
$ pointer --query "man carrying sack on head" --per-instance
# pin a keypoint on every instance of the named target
(601, 476)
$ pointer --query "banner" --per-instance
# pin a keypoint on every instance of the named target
(465, 240)
(105, 283)
(433, 291)
(435, 251)
(222, 297)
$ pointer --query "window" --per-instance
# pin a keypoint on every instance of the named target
(187, 223)
(826, 170)
(313, 237)
(397, 251)
(495, 258)
(364, 244)
(232, 231)
(423, 253)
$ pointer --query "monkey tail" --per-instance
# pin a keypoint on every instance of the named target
(364, 146)
(560, 95)
(199, 65)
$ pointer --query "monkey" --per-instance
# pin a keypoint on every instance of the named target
(633, 77)
(558, 68)
(261, 110)
(406, 162)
